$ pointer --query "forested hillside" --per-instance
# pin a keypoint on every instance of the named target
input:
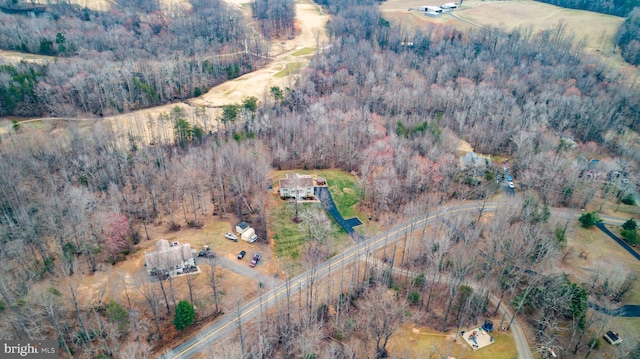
(123, 59)
(628, 38)
(615, 7)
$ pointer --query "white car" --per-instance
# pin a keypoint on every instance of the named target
(231, 236)
(511, 185)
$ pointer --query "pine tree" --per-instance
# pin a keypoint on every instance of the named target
(185, 315)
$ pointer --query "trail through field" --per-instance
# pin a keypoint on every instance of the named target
(310, 34)
(310, 23)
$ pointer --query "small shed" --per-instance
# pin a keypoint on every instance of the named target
(242, 227)
(612, 337)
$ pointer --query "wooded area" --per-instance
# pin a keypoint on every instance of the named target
(628, 38)
(615, 7)
(276, 17)
(123, 59)
(386, 102)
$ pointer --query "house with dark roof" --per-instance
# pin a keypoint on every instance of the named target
(169, 258)
(242, 227)
(296, 186)
(612, 337)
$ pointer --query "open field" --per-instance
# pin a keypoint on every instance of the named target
(603, 255)
(416, 342)
(14, 57)
(290, 68)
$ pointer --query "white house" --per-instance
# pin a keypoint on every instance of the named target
(296, 186)
(472, 159)
(169, 258)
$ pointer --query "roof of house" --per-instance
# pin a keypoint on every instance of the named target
(166, 255)
(243, 225)
(294, 180)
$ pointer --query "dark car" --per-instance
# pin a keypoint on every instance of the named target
(255, 260)
(206, 254)
(241, 254)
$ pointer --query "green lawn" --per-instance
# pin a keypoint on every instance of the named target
(288, 236)
(289, 69)
(304, 51)
(345, 191)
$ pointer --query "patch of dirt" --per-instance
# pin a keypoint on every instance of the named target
(464, 147)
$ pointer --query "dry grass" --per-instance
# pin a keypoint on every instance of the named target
(416, 342)
(603, 255)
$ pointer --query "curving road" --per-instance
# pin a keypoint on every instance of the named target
(229, 323)
(250, 310)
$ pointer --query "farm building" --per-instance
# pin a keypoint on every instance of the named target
(296, 186)
(169, 258)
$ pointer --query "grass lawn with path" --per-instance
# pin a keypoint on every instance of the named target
(288, 236)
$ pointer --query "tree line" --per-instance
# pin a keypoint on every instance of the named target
(122, 59)
(276, 17)
(628, 38)
(615, 7)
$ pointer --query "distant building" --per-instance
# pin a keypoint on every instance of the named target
(169, 258)
(296, 186)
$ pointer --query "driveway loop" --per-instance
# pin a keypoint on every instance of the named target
(322, 193)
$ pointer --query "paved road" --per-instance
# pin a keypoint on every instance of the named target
(229, 323)
(622, 243)
(626, 311)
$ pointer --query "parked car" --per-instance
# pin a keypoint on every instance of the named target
(509, 178)
(206, 254)
(231, 236)
(511, 185)
(241, 254)
(255, 260)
